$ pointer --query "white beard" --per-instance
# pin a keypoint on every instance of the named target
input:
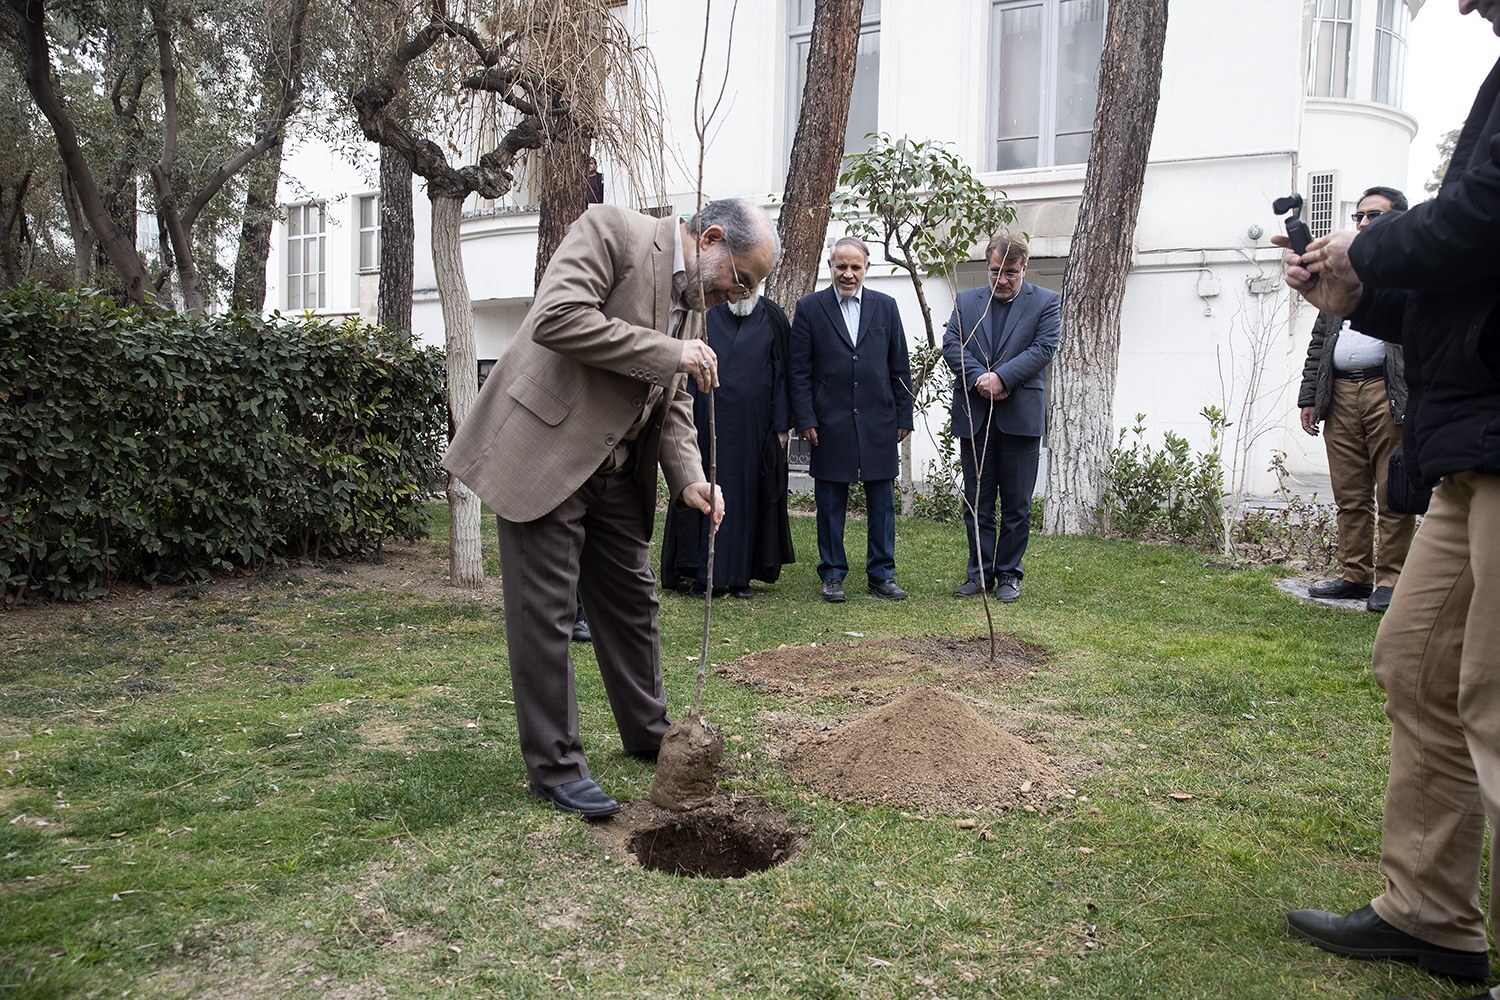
(745, 306)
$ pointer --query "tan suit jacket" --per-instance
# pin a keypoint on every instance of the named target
(578, 373)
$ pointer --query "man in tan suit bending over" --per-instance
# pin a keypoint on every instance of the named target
(563, 444)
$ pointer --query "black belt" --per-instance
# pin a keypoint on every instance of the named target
(1359, 374)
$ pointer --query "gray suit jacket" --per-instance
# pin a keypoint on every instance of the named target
(576, 375)
(1025, 349)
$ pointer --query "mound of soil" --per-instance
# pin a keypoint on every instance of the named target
(927, 749)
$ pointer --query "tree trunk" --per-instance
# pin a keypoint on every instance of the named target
(564, 181)
(466, 558)
(1082, 410)
(249, 290)
(817, 150)
(397, 237)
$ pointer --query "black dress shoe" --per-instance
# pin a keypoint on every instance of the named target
(649, 755)
(583, 797)
(696, 589)
(1380, 599)
(887, 590)
(743, 593)
(970, 588)
(832, 591)
(1362, 934)
(1339, 589)
(1007, 589)
(581, 631)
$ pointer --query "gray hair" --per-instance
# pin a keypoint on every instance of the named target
(1010, 246)
(849, 241)
(746, 226)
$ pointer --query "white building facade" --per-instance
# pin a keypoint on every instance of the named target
(1259, 98)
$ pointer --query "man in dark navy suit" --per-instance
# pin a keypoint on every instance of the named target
(999, 342)
(851, 399)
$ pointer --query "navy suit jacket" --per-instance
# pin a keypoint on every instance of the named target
(1020, 358)
(857, 396)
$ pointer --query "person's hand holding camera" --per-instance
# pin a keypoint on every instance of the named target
(1323, 275)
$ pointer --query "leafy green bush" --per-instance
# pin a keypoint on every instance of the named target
(162, 448)
(1166, 492)
(942, 498)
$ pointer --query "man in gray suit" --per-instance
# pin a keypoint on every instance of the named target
(999, 342)
(563, 444)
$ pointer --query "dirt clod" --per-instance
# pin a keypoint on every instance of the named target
(687, 769)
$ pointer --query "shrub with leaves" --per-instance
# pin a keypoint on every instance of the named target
(163, 448)
(1164, 492)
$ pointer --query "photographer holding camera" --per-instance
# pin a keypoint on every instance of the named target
(1355, 385)
(1429, 279)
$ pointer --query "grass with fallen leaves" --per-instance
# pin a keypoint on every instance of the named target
(302, 786)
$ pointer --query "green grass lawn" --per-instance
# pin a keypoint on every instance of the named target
(273, 789)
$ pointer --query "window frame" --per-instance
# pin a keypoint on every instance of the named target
(363, 266)
(297, 237)
(1335, 20)
(1047, 92)
(1388, 76)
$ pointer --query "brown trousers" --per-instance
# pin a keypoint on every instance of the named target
(1437, 656)
(1361, 436)
(592, 542)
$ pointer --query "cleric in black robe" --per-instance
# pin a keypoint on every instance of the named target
(752, 414)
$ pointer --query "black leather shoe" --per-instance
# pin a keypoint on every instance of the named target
(1007, 589)
(832, 591)
(887, 590)
(1362, 934)
(581, 631)
(1339, 589)
(1380, 599)
(650, 756)
(743, 593)
(696, 589)
(970, 588)
(583, 797)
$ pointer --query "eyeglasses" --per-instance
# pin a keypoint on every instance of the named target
(1372, 215)
(1009, 272)
(740, 289)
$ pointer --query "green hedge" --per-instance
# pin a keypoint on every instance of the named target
(163, 448)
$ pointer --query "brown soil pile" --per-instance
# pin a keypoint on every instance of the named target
(928, 750)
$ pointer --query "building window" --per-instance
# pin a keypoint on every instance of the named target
(1391, 18)
(1329, 57)
(305, 276)
(369, 232)
(1321, 202)
(864, 101)
(1045, 80)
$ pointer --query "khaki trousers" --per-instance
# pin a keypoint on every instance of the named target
(1437, 655)
(1360, 436)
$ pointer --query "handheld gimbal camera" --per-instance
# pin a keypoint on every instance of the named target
(1296, 229)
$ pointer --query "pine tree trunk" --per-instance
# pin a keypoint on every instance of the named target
(817, 150)
(1082, 412)
(397, 238)
(466, 558)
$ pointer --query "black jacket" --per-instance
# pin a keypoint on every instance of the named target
(1317, 372)
(1432, 282)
